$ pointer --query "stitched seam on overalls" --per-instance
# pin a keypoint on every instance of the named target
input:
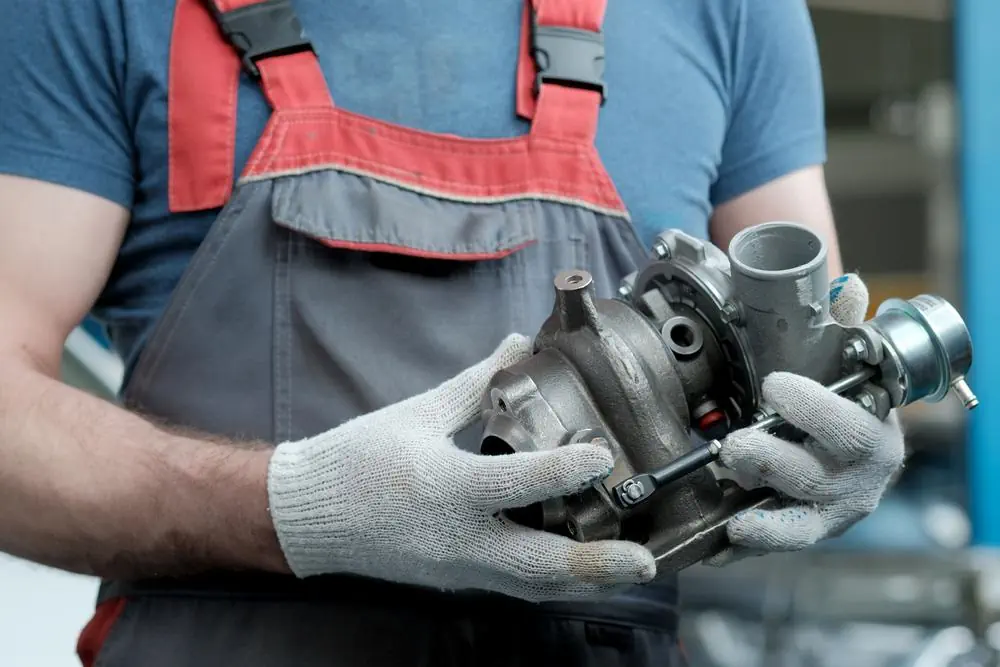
(520, 145)
(163, 339)
(269, 157)
(487, 198)
(348, 160)
(470, 199)
(427, 140)
(594, 175)
(368, 235)
(233, 88)
(283, 345)
(275, 133)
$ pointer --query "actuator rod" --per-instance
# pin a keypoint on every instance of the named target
(640, 488)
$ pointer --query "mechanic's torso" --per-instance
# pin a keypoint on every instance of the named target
(673, 71)
(445, 67)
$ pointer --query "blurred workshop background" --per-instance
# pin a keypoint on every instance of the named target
(913, 109)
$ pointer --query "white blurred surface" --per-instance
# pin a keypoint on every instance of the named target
(41, 613)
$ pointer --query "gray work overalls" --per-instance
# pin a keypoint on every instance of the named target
(357, 263)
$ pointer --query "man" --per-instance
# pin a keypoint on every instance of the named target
(348, 299)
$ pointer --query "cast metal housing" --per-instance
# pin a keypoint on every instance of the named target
(677, 360)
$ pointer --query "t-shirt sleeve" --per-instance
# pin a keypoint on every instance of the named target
(62, 118)
(776, 114)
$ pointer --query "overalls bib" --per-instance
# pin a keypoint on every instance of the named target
(357, 263)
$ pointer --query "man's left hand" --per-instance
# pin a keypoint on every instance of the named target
(827, 483)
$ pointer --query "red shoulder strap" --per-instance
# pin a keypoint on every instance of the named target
(212, 42)
(566, 38)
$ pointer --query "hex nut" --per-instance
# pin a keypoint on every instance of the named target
(867, 401)
(662, 250)
(856, 350)
(731, 313)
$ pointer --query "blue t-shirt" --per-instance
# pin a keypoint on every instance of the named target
(707, 99)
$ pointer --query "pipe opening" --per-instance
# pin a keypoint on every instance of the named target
(682, 335)
(776, 248)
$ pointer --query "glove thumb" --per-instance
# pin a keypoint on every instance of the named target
(848, 300)
(455, 403)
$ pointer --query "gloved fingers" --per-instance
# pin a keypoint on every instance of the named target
(842, 428)
(558, 591)
(507, 481)
(848, 300)
(454, 404)
(784, 466)
(546, 566)
(839, 516)
(790, 528)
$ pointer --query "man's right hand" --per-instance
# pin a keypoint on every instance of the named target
(389, 495)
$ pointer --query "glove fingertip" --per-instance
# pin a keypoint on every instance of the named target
(793, 395)
(647, 565)
(735, 448)
(454, 404)
(593, 461)
(782, 387)
(512, 349)
(611, 562)
(641, 564)
(750, 451)
(787, 529)
(848, 299)
(744, 522)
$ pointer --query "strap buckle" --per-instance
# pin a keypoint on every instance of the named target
(263, 30)
(570, 57)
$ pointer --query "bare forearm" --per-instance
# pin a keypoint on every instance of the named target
(87, 486)
(798, 197)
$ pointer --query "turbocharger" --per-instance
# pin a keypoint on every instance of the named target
(661, 373)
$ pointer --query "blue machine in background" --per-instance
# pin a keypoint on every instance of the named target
(977, 41)
(96, 331)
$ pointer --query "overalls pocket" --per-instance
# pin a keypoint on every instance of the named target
(391, 291)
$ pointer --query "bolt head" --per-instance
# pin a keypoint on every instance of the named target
(624, 290)
(634, 489)
(856, 350)
(867, 401)
(730, 313)
(662, 250)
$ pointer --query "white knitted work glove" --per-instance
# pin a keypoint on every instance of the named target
(829, 482)
(388, 495)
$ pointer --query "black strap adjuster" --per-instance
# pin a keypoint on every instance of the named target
(569, 57)
(263, 30)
